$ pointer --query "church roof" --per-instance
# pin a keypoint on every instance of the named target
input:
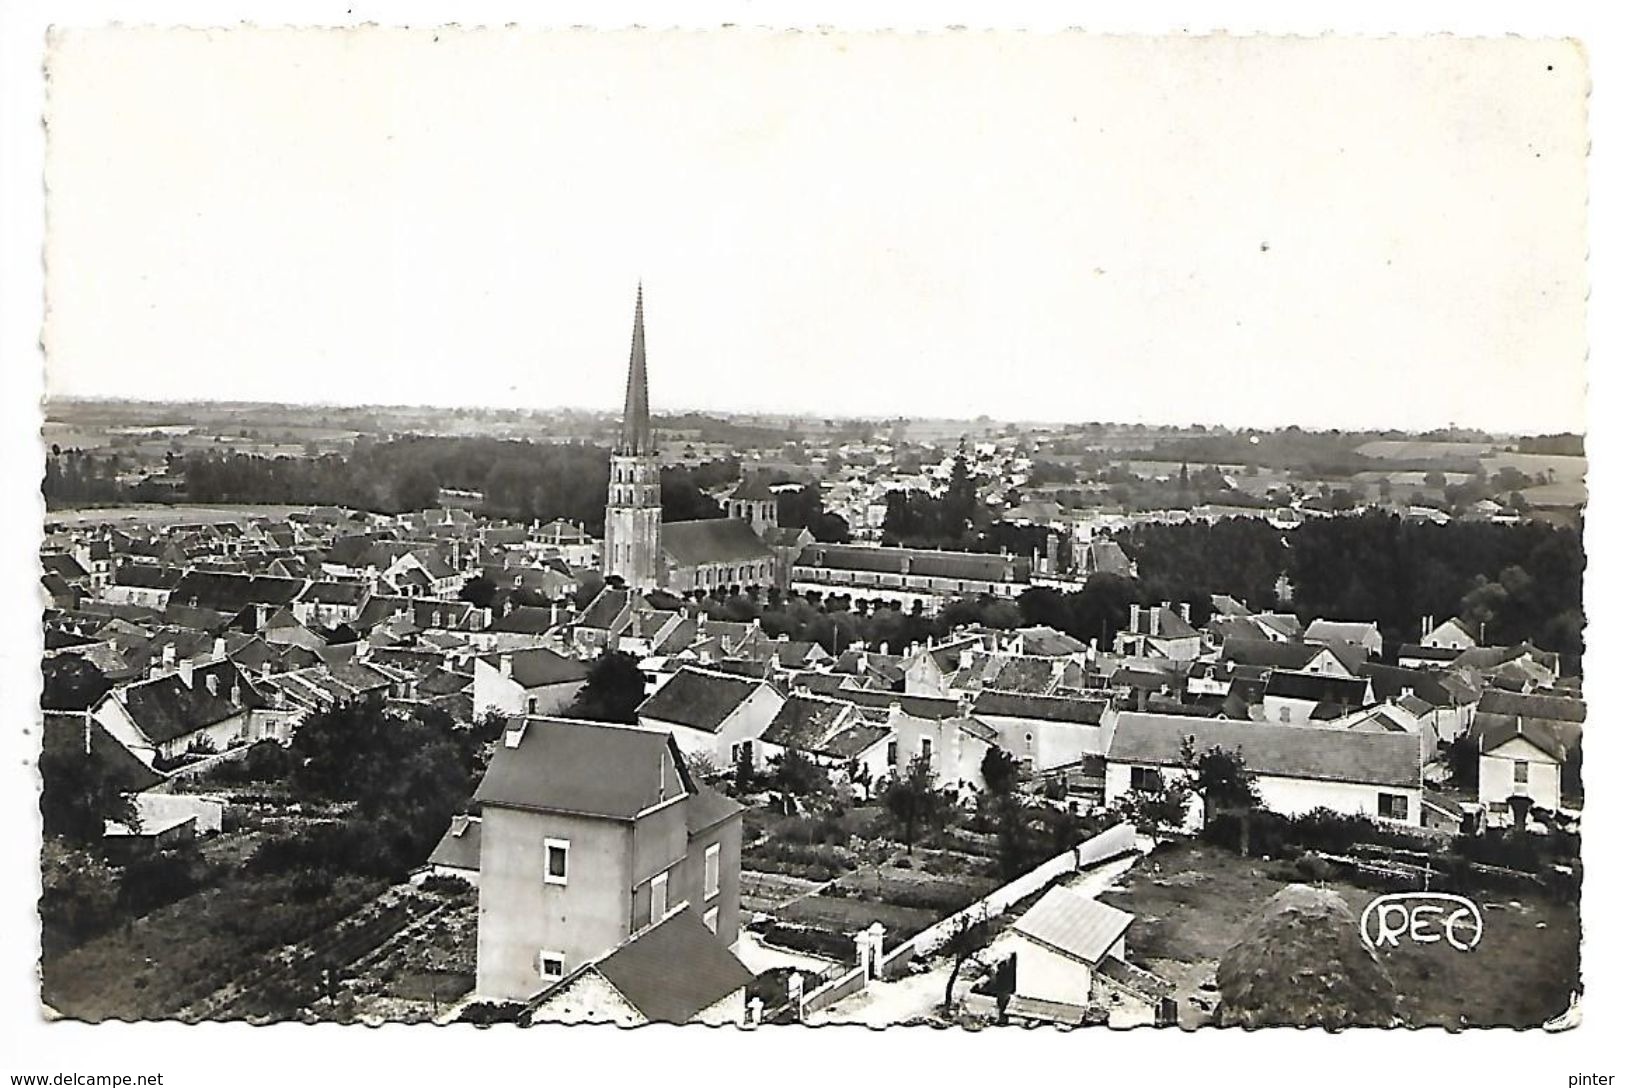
(754, 488)
(714, 540)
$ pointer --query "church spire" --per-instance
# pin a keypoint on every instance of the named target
(637, 435)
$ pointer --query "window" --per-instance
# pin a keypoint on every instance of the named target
(1286, 714)
(713, 870)
(711, 919)
(532, 705)
(657, 898)
(558, 862)
(1520, 772)
(891, 753)
(1145, 779)
(925, 749)
(1393, 806)
(550, 964)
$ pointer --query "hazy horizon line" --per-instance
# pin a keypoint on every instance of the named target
(49, 400)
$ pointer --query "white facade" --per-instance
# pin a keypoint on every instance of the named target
(1297, 796)
(746, 723)
(1499, 772)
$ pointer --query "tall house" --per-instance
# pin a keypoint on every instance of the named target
(632, 546)
(592, 832)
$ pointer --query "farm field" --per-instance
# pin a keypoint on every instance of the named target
(1192, 902)
(163, 514)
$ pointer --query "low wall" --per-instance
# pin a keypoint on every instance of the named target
(830, 992)
(1112, 843)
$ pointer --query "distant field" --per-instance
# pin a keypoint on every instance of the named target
(159, 514)
(1396, 450)
(1563, 469)
(1572, 493)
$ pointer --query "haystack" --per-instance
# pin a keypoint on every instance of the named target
(1301, 963)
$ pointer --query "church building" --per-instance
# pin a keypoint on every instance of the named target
(682, 556)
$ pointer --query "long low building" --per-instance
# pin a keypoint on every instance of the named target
(1296, 768)
(907, 575)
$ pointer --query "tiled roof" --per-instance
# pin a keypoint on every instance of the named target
(233, 592)
(588, 768)
(1074, 924)
(674, 970)
(1039, 707)
(1287, 751)
(699, 700)
(1340, 630)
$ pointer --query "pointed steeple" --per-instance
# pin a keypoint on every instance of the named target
(637, 434)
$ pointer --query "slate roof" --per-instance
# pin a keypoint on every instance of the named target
(166, 708)
(753, 488)
(855, 739)
(674, 970)
(1287, 751)
(1555, 707)
(233, 592)
(1285, 684)
(1074, 924)
(1049, 708)
(1494, 733)
(606, 608)
(459, 847)
(541, 667)
(1340, 630)
(1282, 623)
(1048, 642)
(713, 540)
(706, 808)
(349, 593)
(920, 706)
(527, 620)
(804, 721)
(146, 576)
(698, 699)
(63, 566)
(586, 768)
(964, 566)
(1417, 652)
(1273, 655)
(1391, 681)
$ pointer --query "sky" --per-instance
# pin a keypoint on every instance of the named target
(1245, 231)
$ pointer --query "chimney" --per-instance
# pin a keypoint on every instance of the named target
(219, 649)
(1185, 611)
(885, 649)
(1154, 615)
(964, 704)
(505, 665)
(236, 691)
(1134, 619)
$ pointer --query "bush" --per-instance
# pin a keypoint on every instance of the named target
(368, 847)
(80, 894)
(158, 880)
(486, 1013)
(818, 942)
(441, 884)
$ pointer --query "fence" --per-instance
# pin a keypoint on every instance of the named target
(1114, 842)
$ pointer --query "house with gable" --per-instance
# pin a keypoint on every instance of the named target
(1519, 758)
(534, 681)
(592, 833)
(674, 971)
(162, 718)
(713, 715)
(1159, 631)
(1349, 771)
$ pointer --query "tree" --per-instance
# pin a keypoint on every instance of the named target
(795, 774)
(1000, 772)
(969, 934)
(1223, 782)
(613, 690)
(79, 796)
(913, 800)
